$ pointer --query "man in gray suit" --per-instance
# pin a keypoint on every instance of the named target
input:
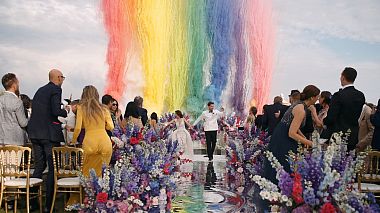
(12, 115)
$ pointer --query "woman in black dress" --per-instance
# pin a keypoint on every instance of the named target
(287, 135)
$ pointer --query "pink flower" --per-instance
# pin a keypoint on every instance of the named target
(110, 204)
(123, 207)
(134, 141)
(85, 201)
(155, 201)
(328, 208)
(297, 188)
(102, 197)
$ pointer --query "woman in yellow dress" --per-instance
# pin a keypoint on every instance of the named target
(95, 119)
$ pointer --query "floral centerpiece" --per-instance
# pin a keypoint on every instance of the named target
(143, 177)
(245, 156)
(321, 180)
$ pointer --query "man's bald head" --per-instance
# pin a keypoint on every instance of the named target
(56, 77)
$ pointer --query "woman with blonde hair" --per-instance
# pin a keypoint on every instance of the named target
(95, 119)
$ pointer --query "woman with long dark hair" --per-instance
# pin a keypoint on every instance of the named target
(287, 135)
(182, 135)
(132, 115)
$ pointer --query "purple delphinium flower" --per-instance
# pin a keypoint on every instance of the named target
(285, 183)
(354, 203)
(309, 197)
(302, 209)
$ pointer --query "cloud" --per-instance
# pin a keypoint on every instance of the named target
(304, 57)
(350, 19)
(37, 36)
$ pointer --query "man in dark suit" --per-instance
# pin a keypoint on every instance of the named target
(143, 113)
(273, 114)
(345, 109)
(45, 130)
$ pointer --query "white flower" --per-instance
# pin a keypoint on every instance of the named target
(284, 198)
(265, 195)
(275, 208)
(148, 188)
(240, 170)
(138, 202)
(240, 189)
(163, 191)
(289, 203)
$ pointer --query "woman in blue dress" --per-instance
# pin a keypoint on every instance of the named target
(287, 135)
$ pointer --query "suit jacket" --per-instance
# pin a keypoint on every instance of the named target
(269, 119)
(46, 108)
(259, 121)
(12, 120)
(375, 120)
(143, 113)
(343, 115)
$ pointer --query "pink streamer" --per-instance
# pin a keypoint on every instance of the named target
(260, 30)
(115, 19)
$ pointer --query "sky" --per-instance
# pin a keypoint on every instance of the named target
(315, 40)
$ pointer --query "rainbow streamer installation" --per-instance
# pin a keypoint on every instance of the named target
(191, 52)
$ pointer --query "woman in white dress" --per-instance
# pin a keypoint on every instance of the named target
(182, 135)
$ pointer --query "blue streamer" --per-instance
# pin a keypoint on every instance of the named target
(220, 19)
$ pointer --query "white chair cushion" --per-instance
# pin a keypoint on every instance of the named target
(371, 176)
(69, 181)
(368, 186)
(22, 182)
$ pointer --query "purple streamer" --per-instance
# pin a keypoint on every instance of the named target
(238, 94)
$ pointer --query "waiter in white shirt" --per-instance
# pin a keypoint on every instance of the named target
(210, 119)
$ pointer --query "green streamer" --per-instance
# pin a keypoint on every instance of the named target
(197, 55)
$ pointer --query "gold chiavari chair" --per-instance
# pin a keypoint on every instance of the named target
(15, 176)
(369, 176)
(68, 163)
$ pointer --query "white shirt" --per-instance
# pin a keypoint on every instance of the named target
(348, 85)
(68, 121)
(210, 120)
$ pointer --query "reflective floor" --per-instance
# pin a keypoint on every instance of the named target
(204, 188)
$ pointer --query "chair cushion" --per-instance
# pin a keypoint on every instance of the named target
(69, 181)
(368, 186)
(371, 176)
(22, 182)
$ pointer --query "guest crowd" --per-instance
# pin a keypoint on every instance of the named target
(45, 122)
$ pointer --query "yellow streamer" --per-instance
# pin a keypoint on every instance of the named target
(178, 64)
(153, 26)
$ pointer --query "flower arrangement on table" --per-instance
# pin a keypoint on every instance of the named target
(321, 180)
(143, 177)
(244, 158)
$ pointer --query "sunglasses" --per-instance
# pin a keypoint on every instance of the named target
(63, 77)
(115, 104)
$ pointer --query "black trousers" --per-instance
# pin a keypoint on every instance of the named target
(42, 153)
(211, 143)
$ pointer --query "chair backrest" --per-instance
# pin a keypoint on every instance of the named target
(68, 161)
(371, 168)
(15, 161)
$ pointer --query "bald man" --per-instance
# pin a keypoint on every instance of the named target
(45, 130)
